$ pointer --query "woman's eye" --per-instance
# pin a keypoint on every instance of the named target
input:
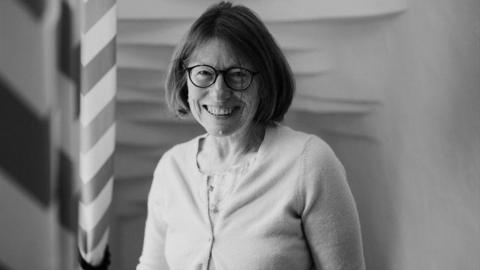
(238, 74)
(203, 73)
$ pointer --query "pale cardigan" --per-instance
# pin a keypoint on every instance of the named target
(293, 209)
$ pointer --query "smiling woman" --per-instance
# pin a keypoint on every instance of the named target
(250, 193)
(217, 106)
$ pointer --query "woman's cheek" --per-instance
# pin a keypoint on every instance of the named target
(193, 98)
(194, 107)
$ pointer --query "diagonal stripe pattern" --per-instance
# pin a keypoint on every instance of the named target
(97, 126)
(38, 146)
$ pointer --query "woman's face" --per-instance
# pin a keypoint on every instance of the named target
(219, 109)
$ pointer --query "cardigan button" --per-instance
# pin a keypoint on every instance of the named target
(214, 210)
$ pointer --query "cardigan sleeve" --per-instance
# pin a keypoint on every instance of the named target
(329, 216)
(152, 257)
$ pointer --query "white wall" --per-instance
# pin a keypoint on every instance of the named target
(432, 111)
(414, 162)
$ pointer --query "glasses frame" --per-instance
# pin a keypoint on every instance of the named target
(223, 72)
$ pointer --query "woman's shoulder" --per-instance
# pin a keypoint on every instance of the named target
(309, 148)
(291, 138)
(184, 148)
(179, 154)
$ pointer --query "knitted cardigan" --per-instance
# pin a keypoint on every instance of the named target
(293, 209)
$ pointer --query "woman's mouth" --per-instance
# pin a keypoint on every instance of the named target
(219, 111)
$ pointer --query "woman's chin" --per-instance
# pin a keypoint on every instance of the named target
(222, 127)
(220, 132)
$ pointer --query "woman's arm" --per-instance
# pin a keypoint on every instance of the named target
(330, 219)
(153, 257)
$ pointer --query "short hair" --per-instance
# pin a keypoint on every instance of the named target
(242, 30)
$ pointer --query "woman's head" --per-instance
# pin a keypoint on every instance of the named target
(242, 34)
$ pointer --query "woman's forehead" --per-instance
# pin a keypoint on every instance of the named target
(217, 53)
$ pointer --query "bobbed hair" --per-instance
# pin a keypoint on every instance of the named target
(247, 36)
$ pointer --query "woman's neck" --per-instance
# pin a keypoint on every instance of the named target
(218, 153)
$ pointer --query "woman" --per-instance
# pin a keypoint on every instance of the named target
(250, 193)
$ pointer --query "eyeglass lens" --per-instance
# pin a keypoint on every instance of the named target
(236, 78)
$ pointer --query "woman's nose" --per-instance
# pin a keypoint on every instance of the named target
(220, 90)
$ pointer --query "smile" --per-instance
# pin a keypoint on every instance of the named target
(219, 111)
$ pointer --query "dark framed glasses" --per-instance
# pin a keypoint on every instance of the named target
(236, 78)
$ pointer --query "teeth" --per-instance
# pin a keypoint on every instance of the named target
(219, 111)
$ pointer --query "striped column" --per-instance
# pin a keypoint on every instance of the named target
(97, 126)
(30, 229)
